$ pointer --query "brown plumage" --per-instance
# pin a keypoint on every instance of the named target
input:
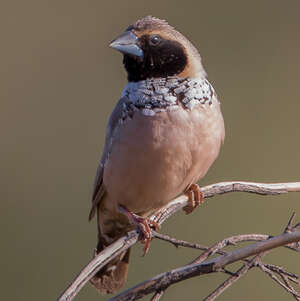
(162, 136)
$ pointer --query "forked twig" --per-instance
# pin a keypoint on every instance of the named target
(229, 281)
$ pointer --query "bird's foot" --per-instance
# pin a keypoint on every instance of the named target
(144, 225)
(195, 196)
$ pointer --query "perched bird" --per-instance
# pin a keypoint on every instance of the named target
(162, 136)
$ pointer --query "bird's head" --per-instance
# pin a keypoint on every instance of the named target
(154, 49)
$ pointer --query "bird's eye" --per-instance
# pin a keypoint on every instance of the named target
(155, 40)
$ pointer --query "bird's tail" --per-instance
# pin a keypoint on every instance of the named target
(113, 276)
(112, 224)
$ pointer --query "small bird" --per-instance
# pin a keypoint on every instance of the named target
(162, 136)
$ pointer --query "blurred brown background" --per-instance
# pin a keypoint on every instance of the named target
(59, 83)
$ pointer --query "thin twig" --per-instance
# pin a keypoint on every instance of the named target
(233, 240)
(281, 271)
(295, 294)
(179, 242)
(289, 227)
(272, 275)
(157, 295)
(229, 281)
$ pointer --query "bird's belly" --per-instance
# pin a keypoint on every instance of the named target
(155, 158)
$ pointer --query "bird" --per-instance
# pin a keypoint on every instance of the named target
(162, 137)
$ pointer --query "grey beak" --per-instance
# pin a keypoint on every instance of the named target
(127, 43)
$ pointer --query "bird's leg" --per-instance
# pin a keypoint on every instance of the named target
(195, 196)
(144, 225)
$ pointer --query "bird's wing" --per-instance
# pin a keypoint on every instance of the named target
(99, 189)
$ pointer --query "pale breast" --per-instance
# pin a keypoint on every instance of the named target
(154, 157)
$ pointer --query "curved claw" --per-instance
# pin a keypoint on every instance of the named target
(144, 225)
(196, 198)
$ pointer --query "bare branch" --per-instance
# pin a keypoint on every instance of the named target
(228, 282)
(295, 294)
(164, 280)
(284, 284)
(132, 237)
(226, 187)
(256, 261)
(233, 240)
(252, 187)
(281, 271)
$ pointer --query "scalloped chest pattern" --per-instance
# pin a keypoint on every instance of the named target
(157, 95)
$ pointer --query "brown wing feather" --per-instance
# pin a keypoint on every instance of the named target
(99, 189)
(112, 277)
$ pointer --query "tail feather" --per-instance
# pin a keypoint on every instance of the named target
(112, 225)
(112, 277)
